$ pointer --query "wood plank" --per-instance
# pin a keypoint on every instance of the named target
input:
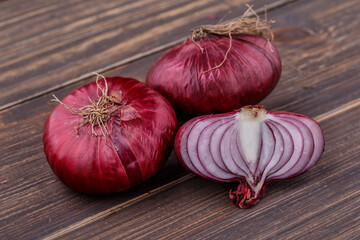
(34, 204)
(321, 203)
(66, 39)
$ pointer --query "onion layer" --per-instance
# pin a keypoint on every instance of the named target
(124, 147)
(252, 146)
(250, 71)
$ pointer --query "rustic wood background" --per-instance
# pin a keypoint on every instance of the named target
(51, 47)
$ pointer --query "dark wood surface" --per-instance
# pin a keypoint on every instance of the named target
(51, 47)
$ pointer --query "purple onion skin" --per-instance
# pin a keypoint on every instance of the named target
(250, 72)
(252, 146)
(131, 153)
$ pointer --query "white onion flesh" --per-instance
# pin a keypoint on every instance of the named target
(252, 144)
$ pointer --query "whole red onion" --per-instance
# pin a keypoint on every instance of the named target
(108, 136)
(252, 146)
(218, 68)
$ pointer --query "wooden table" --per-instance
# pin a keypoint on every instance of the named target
(49, 47)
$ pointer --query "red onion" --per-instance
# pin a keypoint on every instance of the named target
(252, 146)
(219, 68)
(100, 143)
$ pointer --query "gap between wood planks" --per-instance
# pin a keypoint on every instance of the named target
(320, 118)
(128, 60)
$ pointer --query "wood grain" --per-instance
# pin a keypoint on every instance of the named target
(66, 39)
(320, 53)
(127, 60)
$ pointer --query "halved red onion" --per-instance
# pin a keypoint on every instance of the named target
(124, 147)
(252, 146)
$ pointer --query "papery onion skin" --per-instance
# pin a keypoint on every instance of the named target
(249, 73)
(252, 146)
(131, 153)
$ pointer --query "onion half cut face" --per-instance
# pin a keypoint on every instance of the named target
(252, 146)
